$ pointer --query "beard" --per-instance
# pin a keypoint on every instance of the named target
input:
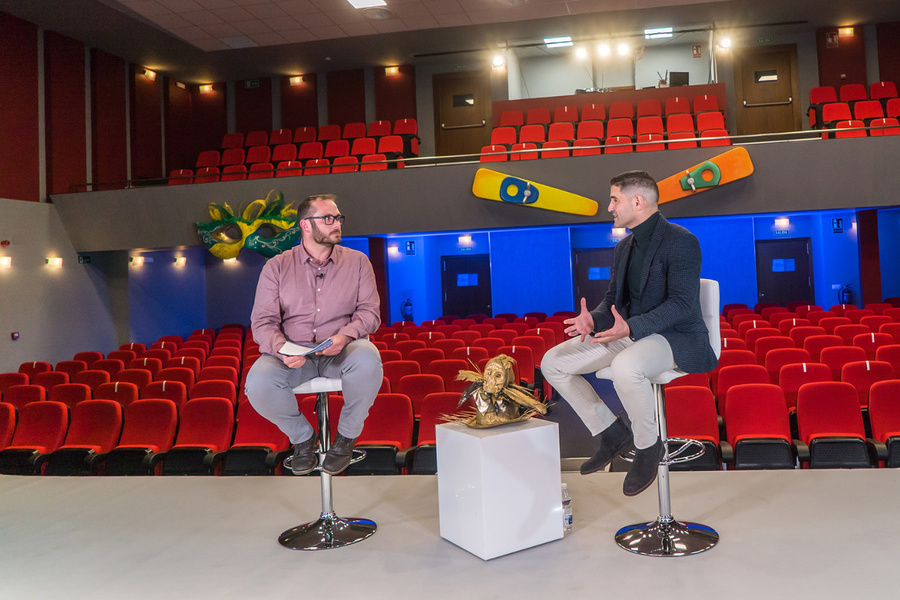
(325, 239)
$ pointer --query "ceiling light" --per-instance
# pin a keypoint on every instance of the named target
(558, 42)
(498, 61)
(623, 49)
(581, 53)
(366, 3)
(603, 50)
(658, 33)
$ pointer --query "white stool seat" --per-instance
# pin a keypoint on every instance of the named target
(661, 379)
(317, 385)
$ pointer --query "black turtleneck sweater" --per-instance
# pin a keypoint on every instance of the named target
(642, 234)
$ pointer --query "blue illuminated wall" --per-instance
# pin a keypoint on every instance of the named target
(889, 251)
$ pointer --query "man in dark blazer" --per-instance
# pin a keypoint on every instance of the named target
(648, 322)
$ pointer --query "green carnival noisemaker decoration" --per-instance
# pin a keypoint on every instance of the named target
(266, 226)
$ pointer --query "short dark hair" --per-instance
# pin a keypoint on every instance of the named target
(634, 182)
(305, 206)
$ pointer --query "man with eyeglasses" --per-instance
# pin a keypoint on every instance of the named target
(316, 291)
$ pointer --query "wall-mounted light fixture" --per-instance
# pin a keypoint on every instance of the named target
(393, 250)
(151, 75)
(392, 70)
(465, 240)
(206, 88)
(5, 262)
(782, 223)
(581, 53)
(180, 261)
(137, 261)
(558, 42)
(498, 62)
(846, 32)
(230, 261)
(296, 80)
(618, 233)
(603, 50)
(725, 43)
(54, 262)
(623, 49)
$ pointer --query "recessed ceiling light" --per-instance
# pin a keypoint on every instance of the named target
(603, 50)
(623, 49)
(558, 42)
(378, 13)
(366, 3)
(581, 53)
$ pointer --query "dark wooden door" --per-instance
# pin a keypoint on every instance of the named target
(462, 112)
(466, 285)
(592, 273)
(784, 271)
(766, 89)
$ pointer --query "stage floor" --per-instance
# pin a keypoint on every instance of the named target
(797, 534)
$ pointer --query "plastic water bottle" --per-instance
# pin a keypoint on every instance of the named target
(567, 509)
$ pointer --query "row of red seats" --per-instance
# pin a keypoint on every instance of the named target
(650, 142)
(325, 133)
(678, 123)
(295, 168)
(617, 110)
(828, 431)
(851, 93)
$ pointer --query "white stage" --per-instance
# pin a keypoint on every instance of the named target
(796, 534)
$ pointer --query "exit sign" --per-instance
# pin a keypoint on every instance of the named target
(251, 84)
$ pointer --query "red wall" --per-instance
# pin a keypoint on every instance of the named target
(299, 103)
(888, 38)
(19, 171)
(181, 146)
(253, 107)
(848, 59)
(65, 115)
(146, 125)
(209, 113)
(346, 97)
(395, 95)
(108, 115)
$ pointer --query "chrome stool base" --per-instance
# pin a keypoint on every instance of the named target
(326, 532)
(666, 538)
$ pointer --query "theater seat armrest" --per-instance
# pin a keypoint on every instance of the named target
(802, 451)
(727, 451)
(212, 459)
(877, 449)
(153, 459)
(403, 460)
(273, 459)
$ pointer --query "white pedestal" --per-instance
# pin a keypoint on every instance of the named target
(499, 488)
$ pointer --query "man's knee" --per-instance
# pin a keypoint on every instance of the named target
(364, 360)
(262, 377)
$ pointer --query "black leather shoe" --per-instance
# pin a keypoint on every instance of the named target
(613, 440)
(644, 468)
(305, 459)
(338, 456)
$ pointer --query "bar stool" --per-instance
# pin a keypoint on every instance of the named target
(329, 530)
(665, 536)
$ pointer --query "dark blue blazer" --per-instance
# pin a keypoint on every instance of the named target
(670, 296)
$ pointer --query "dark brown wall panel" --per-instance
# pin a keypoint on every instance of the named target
(299, 103)
(845, 63)
(19, 170)
(395, 94)
(146, 124)
(888, 38)
(253, 106)
(181, 146)
(108, 102)
(209, 113)
(346, 97)
(65, 112)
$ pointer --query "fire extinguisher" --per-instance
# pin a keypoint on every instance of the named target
(406, 310)
(845, 295)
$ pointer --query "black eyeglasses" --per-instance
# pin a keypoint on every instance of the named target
(329, 219)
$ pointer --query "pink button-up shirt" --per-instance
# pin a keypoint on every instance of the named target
(305, 302)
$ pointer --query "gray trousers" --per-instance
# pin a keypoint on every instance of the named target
(270, 383)
(632, 363)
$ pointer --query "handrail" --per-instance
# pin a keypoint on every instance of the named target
(745, 139)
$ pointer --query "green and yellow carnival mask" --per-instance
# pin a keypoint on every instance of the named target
(266, 226)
